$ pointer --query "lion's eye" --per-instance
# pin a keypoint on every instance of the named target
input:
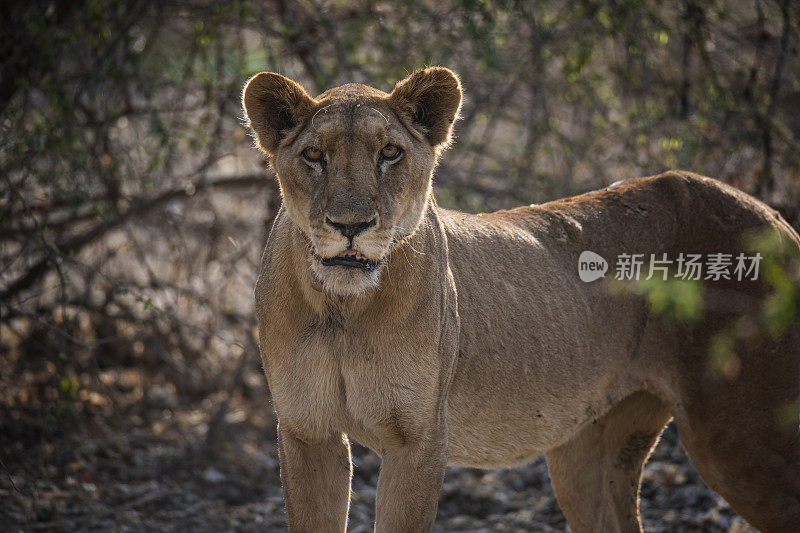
(390, 152)
(312, 154)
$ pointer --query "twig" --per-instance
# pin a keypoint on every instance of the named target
(11, 479)
(139, 207)
(217, 421)
(765, 181)
(54, 329)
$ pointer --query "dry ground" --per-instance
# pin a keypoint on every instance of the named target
(127, 452)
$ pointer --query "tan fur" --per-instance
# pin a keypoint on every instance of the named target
(474, 342)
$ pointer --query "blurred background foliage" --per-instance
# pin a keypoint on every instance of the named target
(133, 208)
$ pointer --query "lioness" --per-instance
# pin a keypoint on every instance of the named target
(441, 338)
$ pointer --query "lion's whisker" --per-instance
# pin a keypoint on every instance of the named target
(318, 110)
(381, 114)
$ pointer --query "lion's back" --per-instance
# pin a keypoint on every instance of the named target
(666, 212)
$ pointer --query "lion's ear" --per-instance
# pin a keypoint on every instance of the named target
(430, 99)
(274, 104)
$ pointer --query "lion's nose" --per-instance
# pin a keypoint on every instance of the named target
(350, 230)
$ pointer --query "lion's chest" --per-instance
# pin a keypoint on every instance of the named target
(323, 383)
(306, 386)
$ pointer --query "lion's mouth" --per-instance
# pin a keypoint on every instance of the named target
(350, 258)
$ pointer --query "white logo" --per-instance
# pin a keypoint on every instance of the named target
(632, 267)
(591, 266)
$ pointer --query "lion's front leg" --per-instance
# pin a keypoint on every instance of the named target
(316, 482)
(409, 483)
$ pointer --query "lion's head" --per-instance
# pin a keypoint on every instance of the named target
(354, 164)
